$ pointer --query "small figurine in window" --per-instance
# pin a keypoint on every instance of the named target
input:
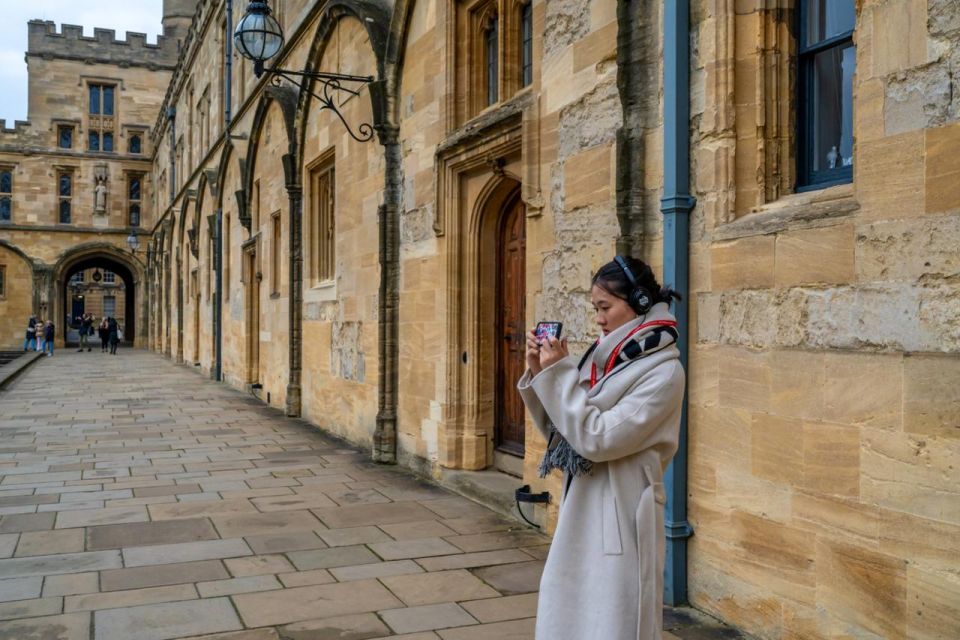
(832, 156)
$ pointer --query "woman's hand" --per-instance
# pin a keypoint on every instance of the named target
(533, 353)
(552, 351)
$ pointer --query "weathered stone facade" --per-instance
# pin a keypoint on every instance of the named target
(823, 349)
(41, 247)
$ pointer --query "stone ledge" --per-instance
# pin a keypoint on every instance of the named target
(493, 489)
(796, 211)
(17, 366)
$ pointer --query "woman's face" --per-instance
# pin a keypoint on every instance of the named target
(612, 312)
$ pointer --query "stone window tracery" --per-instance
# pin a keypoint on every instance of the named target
(6, 194)
(526, 44)
(65, 196)
(65, 137)
(101, 117)
(134, 199)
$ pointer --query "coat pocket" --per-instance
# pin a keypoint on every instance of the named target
(611, 527)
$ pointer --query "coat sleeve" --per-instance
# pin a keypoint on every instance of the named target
(632, 425)
(533, 404)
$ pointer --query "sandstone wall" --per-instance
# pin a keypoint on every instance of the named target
(16, 303)
(823, 428)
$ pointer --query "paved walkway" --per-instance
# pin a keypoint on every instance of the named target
(140, 501)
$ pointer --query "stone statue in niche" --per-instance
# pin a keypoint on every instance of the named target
(100, 190)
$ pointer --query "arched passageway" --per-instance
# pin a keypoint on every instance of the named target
(114, 280)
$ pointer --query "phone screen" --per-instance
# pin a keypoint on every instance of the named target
(546, 330)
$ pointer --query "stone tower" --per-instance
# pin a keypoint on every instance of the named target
(177, 16)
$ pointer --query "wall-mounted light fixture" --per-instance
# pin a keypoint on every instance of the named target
(259, 37)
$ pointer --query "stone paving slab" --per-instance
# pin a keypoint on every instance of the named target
(158, 505)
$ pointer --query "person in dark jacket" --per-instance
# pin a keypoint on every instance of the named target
(86, 330)
(29, 342)
(114, 334)
(48, 334)
(104, 332)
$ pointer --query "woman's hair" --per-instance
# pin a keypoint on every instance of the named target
(612, 279)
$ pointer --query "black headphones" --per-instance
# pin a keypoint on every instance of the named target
(639, 298)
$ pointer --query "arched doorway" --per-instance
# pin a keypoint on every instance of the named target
(511, 327)
(109, 286)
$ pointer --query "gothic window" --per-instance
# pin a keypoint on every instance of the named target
(101, 117)
(6, 194)
(322, 221)
(134, 199)
(136, 143)
(827, 61)
(526, 44)
(65, 196)
(275, 255)
(491, 50)
(65, 137)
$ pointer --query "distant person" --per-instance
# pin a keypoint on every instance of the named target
(86, 330)
(104, 332)
(30, 339)
(48, 335)
(114, 334)
(38, 335)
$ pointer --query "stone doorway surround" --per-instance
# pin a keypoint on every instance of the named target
(479, 168)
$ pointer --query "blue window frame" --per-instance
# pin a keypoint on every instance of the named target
(826, 64)
(6, 194)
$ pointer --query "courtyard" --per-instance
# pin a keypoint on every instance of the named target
(142, 501)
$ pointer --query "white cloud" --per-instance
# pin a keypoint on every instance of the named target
(141, 16)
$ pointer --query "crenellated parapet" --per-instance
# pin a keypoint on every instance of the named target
(103, 47)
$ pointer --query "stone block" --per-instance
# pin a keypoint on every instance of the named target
(71, 584)
(162, 575)
(438, 586)
(20, 588)
(472, 560)
(185, 552)
(868, 112)
(512, 579)
(836, 517)
(167, 621)
(246, 584)
(505, 608)
(932, 543)
(797, 383)
(864, 589)
(933, 603)
(899, 39)
(815, 256)
(831, 459)
(315, 602)
(30, 608)
(747, 263)
(511, 630)
(148, 533)
(941, 169)
(373, 514)
(931, 396)
(864, 389)
(42, 543)
(62, 563)
(306, 578)
(745, 379)
(259, 565)
(425, 618)
(246, 524)
(376, 570)
(892, 478)
(589, 180)
(355, 627)
(335, 557)
(890, 177)
(71, 626)
(776, 450)
(135, 597)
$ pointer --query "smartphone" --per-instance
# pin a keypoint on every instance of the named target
(546, 330)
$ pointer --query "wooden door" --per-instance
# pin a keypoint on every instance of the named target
(511, 322)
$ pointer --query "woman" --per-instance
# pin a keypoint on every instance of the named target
(114, 328)
(48, 336)
(38, 334)
(104, 332)
(612, 425)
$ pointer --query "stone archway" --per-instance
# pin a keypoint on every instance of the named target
(105, 257)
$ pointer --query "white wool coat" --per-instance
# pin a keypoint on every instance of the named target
(603, 578)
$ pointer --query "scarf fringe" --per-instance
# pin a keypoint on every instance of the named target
(564, 458)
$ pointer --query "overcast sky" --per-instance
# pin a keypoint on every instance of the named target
(143, 16)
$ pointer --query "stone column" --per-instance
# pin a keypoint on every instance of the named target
(385, 436)
(295, 197)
